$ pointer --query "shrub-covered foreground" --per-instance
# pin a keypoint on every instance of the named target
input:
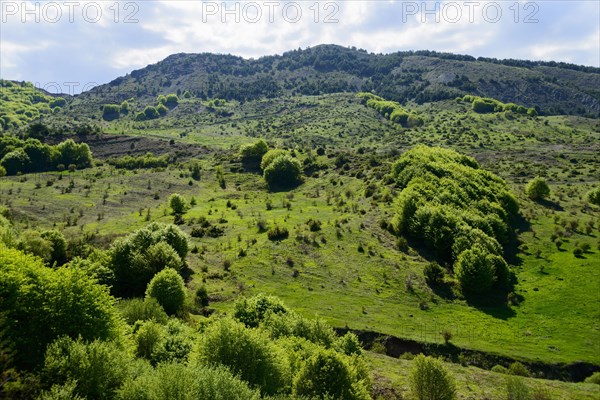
(459, 210)
(62, 337)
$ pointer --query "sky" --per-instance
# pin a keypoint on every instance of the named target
(70, 46)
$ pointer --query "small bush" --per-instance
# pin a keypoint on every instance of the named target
(434, 274)
(516, 389)
(168, 289)
(283, 172)
(537, 189)
(134, 310)
(202, 296)
(518, 369)
(278, 233)
(429, 380)
(499, 369)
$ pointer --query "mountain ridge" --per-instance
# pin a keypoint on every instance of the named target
(409, 76)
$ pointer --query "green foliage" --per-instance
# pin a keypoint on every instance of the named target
(391, 110)
(168, 288)
(162, 110)
(349, 345)
(148, 160)
(278, 233)
(65, 391)
(42, 304)
(594, 378)
(135, 259)
(518, 369)
(111, 112)
(159, 343)
(430, 381)
(248, 353)
(537, 189)
(475, 270)
(452, 205)
(98, 368)
(58, 243)
(78, 154)
(21, 103)
(177, 203)
(434, 274)
(150, 113)
(594, 196)
(291, 324)
(124, 108)
(283, 172)
(171, 100)
(16, 161)
(176, 381)
(134, 310)
(253, 153)
(252, 311)
(484, 105)
(271, 155)
(326, 374)
(516, 389)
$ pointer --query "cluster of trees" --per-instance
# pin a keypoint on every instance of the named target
(460, 211)
(114, 111)
(280, 169)
(31, 155)
(137, 258)
(148, 160)
(21, 103)
(391, 110)
(163, 104)
(484, 105)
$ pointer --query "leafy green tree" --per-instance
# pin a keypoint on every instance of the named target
(253, 153)
(111, 112)
(429, 380)
(537, 189)
(69, 152)
(124, 108)
(40, 155)
(147, 309)
(177, 203)
(251, 311)
(271, 155)
(59, 246)
(283, 172)
(162, 110)
(42, 304)
(475, 271)
(151, 113)
(177, 381)
(131, 258)
(16, 161)
(326, 374)
(168, 288)
(171, 100)
(99, 368)
(247, 353)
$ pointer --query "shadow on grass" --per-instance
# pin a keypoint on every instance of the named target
(493, 304)
(554, 205)
(511, 249)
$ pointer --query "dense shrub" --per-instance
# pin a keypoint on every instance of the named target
(253, 153)
(594, 196)
(41, 304)
(176, 381)
(271, 155)
(177, 203)
(516, 389)
(326, 374)
(98, 368)
(168, 288)
(434, 274)
(138, 257)
(247, 353)
(147, 309)
(475, 271)
(111, 112)
(278, 233)
(452, 206)
(251, 311)
(429, 380)
(283, 172)
(537, 189)
(518, 369)
(159, 343)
